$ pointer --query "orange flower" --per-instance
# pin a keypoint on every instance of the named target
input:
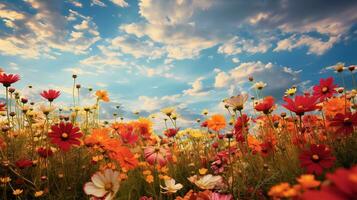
(254, 144)
(102, 95)
(143, 127)
(282, 190)
(334, 106)
(216, 122)
(126, 159)
(98, 137)
(308, 181)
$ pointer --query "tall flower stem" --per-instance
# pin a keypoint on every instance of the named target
(7, 104)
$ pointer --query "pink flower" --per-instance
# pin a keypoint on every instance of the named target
(158, 155)
(218, 196)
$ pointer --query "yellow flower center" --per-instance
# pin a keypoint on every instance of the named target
(315, 157)
(64, 136)
(301, 107)
(324, 89)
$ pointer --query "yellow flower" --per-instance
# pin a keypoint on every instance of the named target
(102, 95)
(149, 178)
(203, 171)
(291, 91)
(204, 112)
(339, 67)
(39, 193)
(5, 179)
(147, 172)
(308, 181)
(17, 192)
(168, 111)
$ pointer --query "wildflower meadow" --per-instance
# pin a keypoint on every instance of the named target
(302, 148)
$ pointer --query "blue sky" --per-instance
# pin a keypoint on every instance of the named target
(189, 54)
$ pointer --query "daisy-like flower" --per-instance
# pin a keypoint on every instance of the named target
(205, 112)
(171, 186)
(103, 185)
(207, 182)
(46, 109)
(102, 95)
(168, 111)
(259, 85)
(316, 159)
(216, 122)
(171, 132)
(339, 67)
(291, 91)
(50, 94)
(301, 104)
(308, 181)
(157, 155)
(266, 105)
(8, 79)
(236, 102)
(326, 89)
(344, 123)
(64, 135)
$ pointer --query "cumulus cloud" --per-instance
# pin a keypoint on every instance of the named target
(43, 32)
(186, 28)
(197, 88)
(278, 78)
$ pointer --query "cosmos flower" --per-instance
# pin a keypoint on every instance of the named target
(171, 132)
(343, 184)
(266, 105)
(218, 196)
(291, 91)
(307, 181)
(344, 123)
(207, 182)
(171, 186)
(168, 111)
(326, 89)
(301, 104)
(2, 106)
(157, 155)
(129, 137)
(44, 152)
(236, 102)
(316, 159)
(335, 105)
(23, 163)
(64, 135)
(50, 94)
(103, 185)
(98, 136)
(259, 85)
(125, 157)
(216, 122)
(8, 79)
(102, 95)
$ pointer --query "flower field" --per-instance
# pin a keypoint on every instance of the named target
(300, 146)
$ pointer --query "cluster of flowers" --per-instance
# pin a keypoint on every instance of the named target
(217, 159)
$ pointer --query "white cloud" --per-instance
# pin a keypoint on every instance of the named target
(315, 45)
(98, 3)
(237, 45)
(222, 80)
(197, 88)
(120, 3)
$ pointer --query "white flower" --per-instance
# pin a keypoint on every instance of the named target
(171, 187)
(104, 185)
(260, 85)
(236, 102)
(168, 111)
(207, 182)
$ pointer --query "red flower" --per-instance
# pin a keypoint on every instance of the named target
(266, 105)
(65, 135)
(325, 90)
(343, 186)
(44, 152)
(171, 132)
(8, 79)
(344, 122)
(301, 104)
(128, 136)
(240, 123)
(316, 159)
(23, 163)
(50, 95)
(2, 106)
